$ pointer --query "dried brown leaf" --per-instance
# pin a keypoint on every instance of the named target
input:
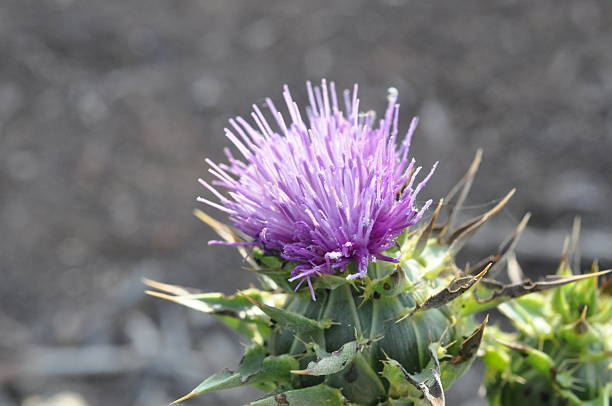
(461, 190)
(461, 235)
(470, 345)
(424, 237)
(455, 288)
(523, 288)
(506, 248)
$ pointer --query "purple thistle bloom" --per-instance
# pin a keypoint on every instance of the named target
(322, 192)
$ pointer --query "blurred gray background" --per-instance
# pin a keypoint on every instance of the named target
(108, 108)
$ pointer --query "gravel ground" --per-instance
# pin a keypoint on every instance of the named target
(107, 109)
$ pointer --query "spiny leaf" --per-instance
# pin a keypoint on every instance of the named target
(308, 328)
(424, 237)
(604, 398)
(506, 248)
(221, 380)
(251, 362)
(331, 363)
(168, 288)
(393, 284)
(456, 288)
(359, 380)
(515, 272)
(207, 302)
(278, 276)
(235, 311)
(536, 358)
(574, 261)
(427, 381)
(322, 395)
(251, 365)
(224, 231)
(434, 260)
(519, 289)
(254, 369)
(463, 188)
(528, 314)
(328, 281)
(490, 293)
(469, 346)
(277, 370)
(396, 402)
(399, 388)
(606, 286)
(218, 301)
(461, 235)
(267, 262)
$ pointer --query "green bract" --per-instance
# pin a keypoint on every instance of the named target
(400, 336)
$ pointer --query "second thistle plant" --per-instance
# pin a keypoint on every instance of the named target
(561, 353)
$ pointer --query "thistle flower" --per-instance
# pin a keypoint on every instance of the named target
(322, 193)
(332, 196)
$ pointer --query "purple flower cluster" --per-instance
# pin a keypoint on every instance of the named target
(325, 191)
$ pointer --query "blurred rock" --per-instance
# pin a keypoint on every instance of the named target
(59, 399)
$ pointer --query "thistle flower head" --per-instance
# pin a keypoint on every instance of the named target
(324, 191)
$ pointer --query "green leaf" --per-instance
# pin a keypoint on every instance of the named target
(278, 276)
(251, 362)
(236, 311)
(528, 318)
(359, 381)
(267, 262)
(235, 303)
(382, 269)
(560, 303)
(399, 388)
(254, 331)
(604, 398)
(272, 269)
(320, 395)
(392, 284)
(303, 326)
(221, 380)
(536, 358)
(277, 369)
(331, 363)
(427, 382)
(495, 360)
(429, 264)
(327, 281)
(211, 303)
(393, 402)
(255, 369)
